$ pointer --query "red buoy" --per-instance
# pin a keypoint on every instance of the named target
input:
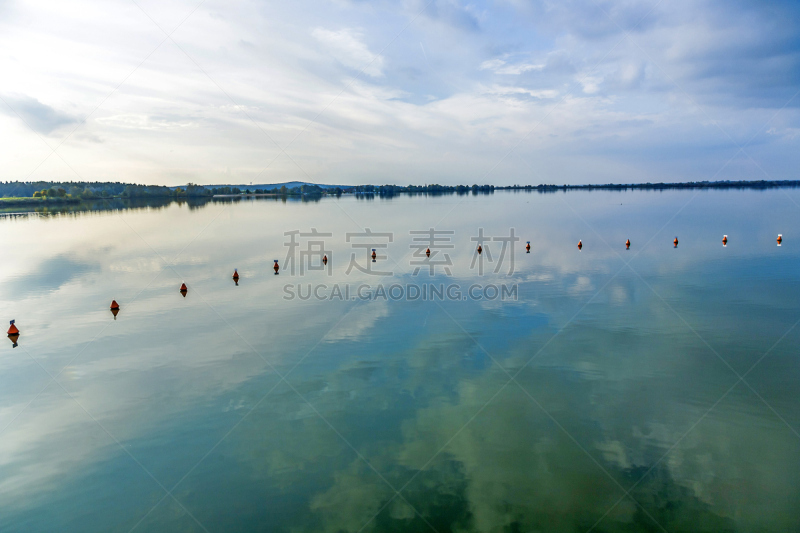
(780, 238)
(114, 304)
(428, 252)
(324, 259)
(675, 242)
(13, 334)
(275, 267)
(480, 249)
(374, 255)
(627, 243)
(724, 240)
(580, 244)
(183, 287)
(235, 274)
(528, 247)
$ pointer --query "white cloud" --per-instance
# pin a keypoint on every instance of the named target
(500, 66)
(348, 47)
(591, 84)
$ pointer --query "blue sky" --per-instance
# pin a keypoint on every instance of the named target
(410, 91)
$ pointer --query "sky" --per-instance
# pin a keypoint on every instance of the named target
(406, 91)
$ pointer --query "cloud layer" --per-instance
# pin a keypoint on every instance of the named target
(497, 92)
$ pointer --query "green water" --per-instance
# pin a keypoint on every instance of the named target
(606, 396)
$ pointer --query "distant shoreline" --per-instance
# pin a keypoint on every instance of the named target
(759, 184)
(199, 194)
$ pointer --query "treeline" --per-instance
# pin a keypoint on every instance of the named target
(74, 189)
(726, 184)
(432, 189)
(308, 189)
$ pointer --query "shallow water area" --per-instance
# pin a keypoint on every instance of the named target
(602, 388)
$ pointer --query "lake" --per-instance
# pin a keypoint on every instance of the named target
(608, 389)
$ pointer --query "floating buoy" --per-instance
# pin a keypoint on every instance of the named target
(724, 240)
(480, 249)
(528, 247)
(374, 255)
(275, 267)
(324, 259)
(235, 273)
(780, 239)
(580, 244)
(184, 290)
(627, 243)
(13, 334)
(428, 252)
(115, 312)
(675, 242)
(114, 305)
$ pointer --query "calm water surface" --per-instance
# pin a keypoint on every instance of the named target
(238, 408)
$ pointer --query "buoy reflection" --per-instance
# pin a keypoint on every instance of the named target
(115, 312)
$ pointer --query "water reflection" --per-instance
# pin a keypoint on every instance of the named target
(612, 388)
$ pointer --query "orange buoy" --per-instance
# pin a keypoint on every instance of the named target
(114, 305)
(428, 252)
(724, 240)
(675, 242)
(627, 243)
(275, 267)
(324, 259)
(235, 273)
(374, 255)
(13, 334)
(183, 287)
(480, 249)
(580, 244)
(780, 239)
(528, 247)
